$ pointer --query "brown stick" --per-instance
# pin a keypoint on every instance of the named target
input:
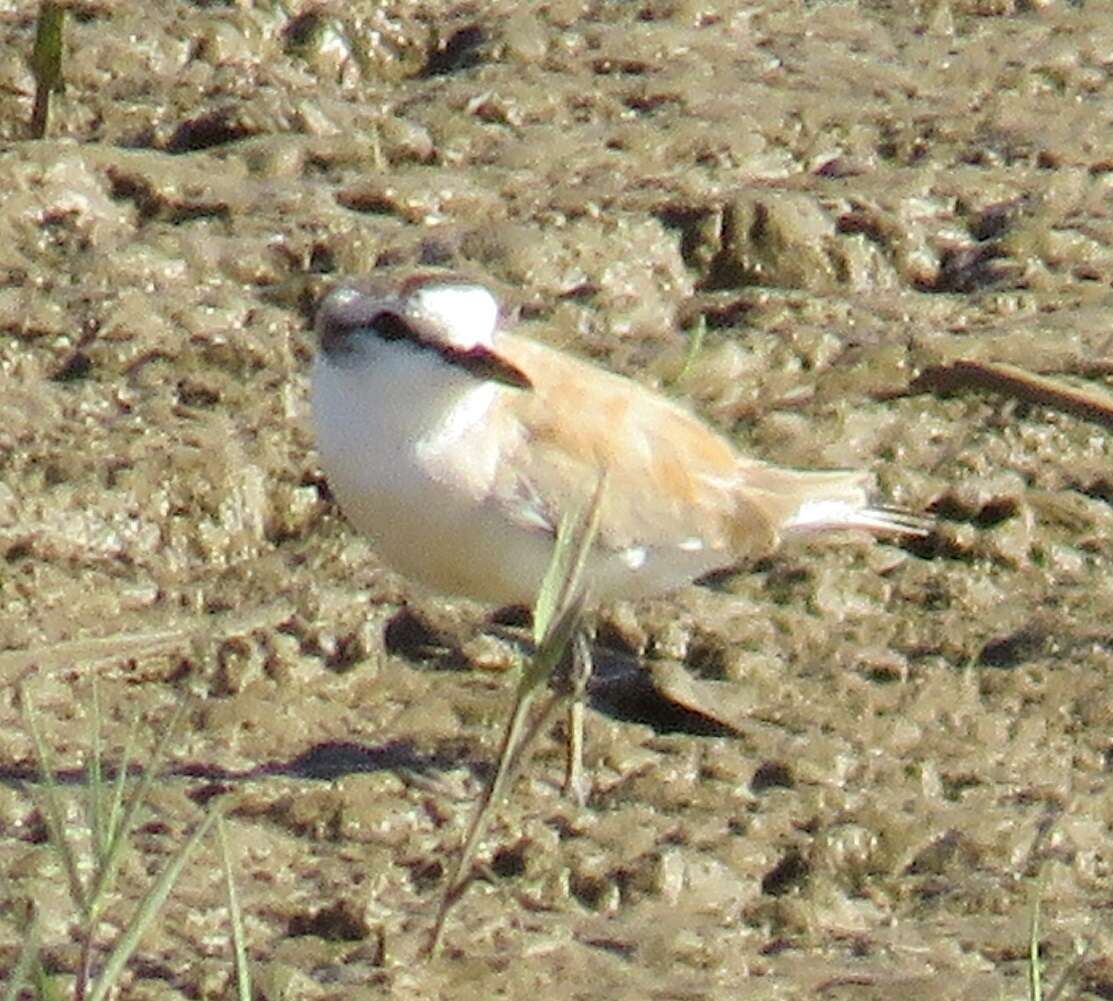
(1091, 403)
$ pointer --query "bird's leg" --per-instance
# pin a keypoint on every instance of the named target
(579, 673)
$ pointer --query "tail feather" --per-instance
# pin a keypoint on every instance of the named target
(886, 519)
(799, 502)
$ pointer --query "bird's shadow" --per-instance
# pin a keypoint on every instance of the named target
(620, 688)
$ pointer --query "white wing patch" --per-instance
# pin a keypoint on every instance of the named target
(826, 512)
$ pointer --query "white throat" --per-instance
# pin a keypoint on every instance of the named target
(406, 440)
(396, 397)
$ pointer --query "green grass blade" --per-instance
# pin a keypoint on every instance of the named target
(1035, 987)
(556, 616)
(548, 596)
(94, 781)
(106, 874)
(575, 535)
(51, 805)
(46, 63)
(562, 596)
(695, 346)
(44, 986)
(553, 647)
(538, 725)
(239, 948)
(115, 814)
(149, 907)
(481, 819)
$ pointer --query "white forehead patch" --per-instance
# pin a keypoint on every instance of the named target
(466, 315)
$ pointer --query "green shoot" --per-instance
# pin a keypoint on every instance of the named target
(123, 823)
(239, 948)
(111, 822)
(50, 803)
(148, 909)
(46, 64)
(695, 346)
(1035, 988)
(557, 615)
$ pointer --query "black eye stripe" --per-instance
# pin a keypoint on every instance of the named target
(391, 327)
(351, 319)
(480, 361)
(384, 324)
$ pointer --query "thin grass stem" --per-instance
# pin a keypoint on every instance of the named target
(557, 615)
(50, 802)
(149, 907)
(239, 947)
(106, 874)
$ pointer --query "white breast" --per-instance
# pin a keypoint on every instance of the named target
(407, 444)
(402, 443)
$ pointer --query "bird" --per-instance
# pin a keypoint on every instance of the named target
(456, 445)
(461, 447)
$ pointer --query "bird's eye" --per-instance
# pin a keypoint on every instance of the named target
(391, 327)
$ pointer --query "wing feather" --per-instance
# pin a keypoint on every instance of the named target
(679, 480)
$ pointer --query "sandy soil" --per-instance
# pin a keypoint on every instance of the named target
(850, 194)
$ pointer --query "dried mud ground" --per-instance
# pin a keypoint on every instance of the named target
(914, 741)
